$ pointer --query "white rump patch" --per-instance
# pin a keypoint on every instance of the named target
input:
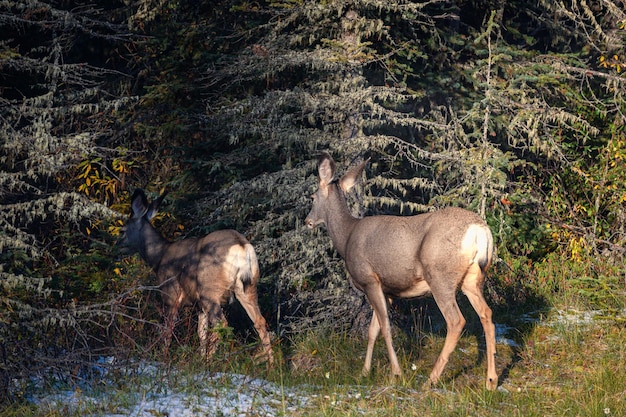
(235, 260)
(476, 244)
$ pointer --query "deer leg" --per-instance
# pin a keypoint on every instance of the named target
(203, 332)
(248, 299)
(379, 304)
(210, 315)
(472, 288)
(454, 323)
(372, 335)
(171, 316)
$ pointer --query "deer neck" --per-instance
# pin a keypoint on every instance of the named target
(153, 247)
(340, 222)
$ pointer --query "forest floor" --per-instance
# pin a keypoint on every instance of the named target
(559, 363)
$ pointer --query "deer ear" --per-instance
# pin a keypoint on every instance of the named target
(352, 176)
(326, 168)
(154, 206)
(138, 204)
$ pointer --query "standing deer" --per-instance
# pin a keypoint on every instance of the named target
(205, 271)
(406, 257)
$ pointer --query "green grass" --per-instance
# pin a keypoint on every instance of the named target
(560, 368)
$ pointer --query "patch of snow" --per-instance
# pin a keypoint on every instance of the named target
(204, 393)
(503, 330)
(575, 317)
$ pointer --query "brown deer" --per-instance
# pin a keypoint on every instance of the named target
(205, 272)
(406, 257)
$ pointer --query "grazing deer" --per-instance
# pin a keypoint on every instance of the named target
(205, 271)
(406, 257)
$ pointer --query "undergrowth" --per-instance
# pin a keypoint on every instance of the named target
(562, 365)
(563, 356)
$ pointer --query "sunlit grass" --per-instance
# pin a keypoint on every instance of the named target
(566, 363)
(563, 368)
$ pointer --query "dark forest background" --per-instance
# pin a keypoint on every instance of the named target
(513, 109)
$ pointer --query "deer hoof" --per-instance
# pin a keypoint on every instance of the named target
(492, 384)
(428, 385)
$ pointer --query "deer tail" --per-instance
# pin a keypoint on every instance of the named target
(249, 268)
(484, 246)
